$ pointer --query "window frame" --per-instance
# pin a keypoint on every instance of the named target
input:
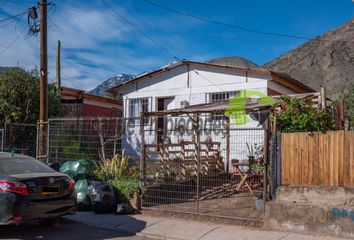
(143, 105)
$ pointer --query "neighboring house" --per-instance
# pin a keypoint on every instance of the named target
(81, 104)
(186, 83)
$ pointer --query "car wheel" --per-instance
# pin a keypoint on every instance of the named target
(47, 223)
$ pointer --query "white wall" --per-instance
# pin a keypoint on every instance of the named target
(202, 80)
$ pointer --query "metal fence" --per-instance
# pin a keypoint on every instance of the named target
(18, 137)
(274, 162)
(203, 164)
(73, 139)
(84, 138)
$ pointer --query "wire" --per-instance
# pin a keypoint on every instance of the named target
(235, 26)
(13, 41)
(4, 24)
(12, 17)
(141, 32)
(205, 78)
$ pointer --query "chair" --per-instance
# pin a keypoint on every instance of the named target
(243, 175)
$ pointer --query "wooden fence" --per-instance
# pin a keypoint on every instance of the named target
(318, 159)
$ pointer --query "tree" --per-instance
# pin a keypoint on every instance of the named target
(348, 98)
(19, 97)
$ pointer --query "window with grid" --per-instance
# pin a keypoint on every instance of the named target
(137, 106)
(219, 96)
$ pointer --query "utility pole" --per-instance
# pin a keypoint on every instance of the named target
(43, 112)
(58, 83)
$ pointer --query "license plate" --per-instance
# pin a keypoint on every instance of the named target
(50, 190)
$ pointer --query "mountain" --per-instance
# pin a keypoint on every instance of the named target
(3, 70)
(234, 61)
(327, 60)
(100, 90)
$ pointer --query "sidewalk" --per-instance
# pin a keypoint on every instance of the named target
(181, 229)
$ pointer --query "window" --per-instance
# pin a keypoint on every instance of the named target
(219, 96)
(137, 106)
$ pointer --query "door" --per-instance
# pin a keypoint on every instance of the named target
(162, 104)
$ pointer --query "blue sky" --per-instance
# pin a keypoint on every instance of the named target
(97, 44)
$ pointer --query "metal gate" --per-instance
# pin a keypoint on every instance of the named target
(202, 164)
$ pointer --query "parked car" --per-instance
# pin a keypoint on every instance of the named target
(38, 192)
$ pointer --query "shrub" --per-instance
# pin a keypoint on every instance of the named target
(125, 187)
(298, 115)
(124, 179)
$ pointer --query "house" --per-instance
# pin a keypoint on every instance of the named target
(188, 83)
(82, 104)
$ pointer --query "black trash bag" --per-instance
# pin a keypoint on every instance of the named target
(102, 197)
(55, 166)
(125, 208)
(7, 201)
(83, 201)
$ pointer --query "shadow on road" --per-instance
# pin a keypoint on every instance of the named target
(67, 229)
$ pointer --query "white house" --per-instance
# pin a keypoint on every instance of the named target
(188, 83)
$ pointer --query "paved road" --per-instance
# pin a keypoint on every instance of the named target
(64, 230)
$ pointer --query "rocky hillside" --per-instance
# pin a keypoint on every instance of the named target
(234, 61)
(100, 90)
(3, 70)
(327, 60)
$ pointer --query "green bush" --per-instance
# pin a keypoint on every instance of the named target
(298, 115)
(126, 187)
(124, 179)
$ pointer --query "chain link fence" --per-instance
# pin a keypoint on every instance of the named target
(85, 138)
(203, 164)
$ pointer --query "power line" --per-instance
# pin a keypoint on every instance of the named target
(13, 41)
(12, 17)
(235, 26)
(141, 32)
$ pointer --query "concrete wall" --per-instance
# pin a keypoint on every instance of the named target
(312, 209)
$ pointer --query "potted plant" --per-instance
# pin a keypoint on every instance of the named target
(250, 154)
(258, 165)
